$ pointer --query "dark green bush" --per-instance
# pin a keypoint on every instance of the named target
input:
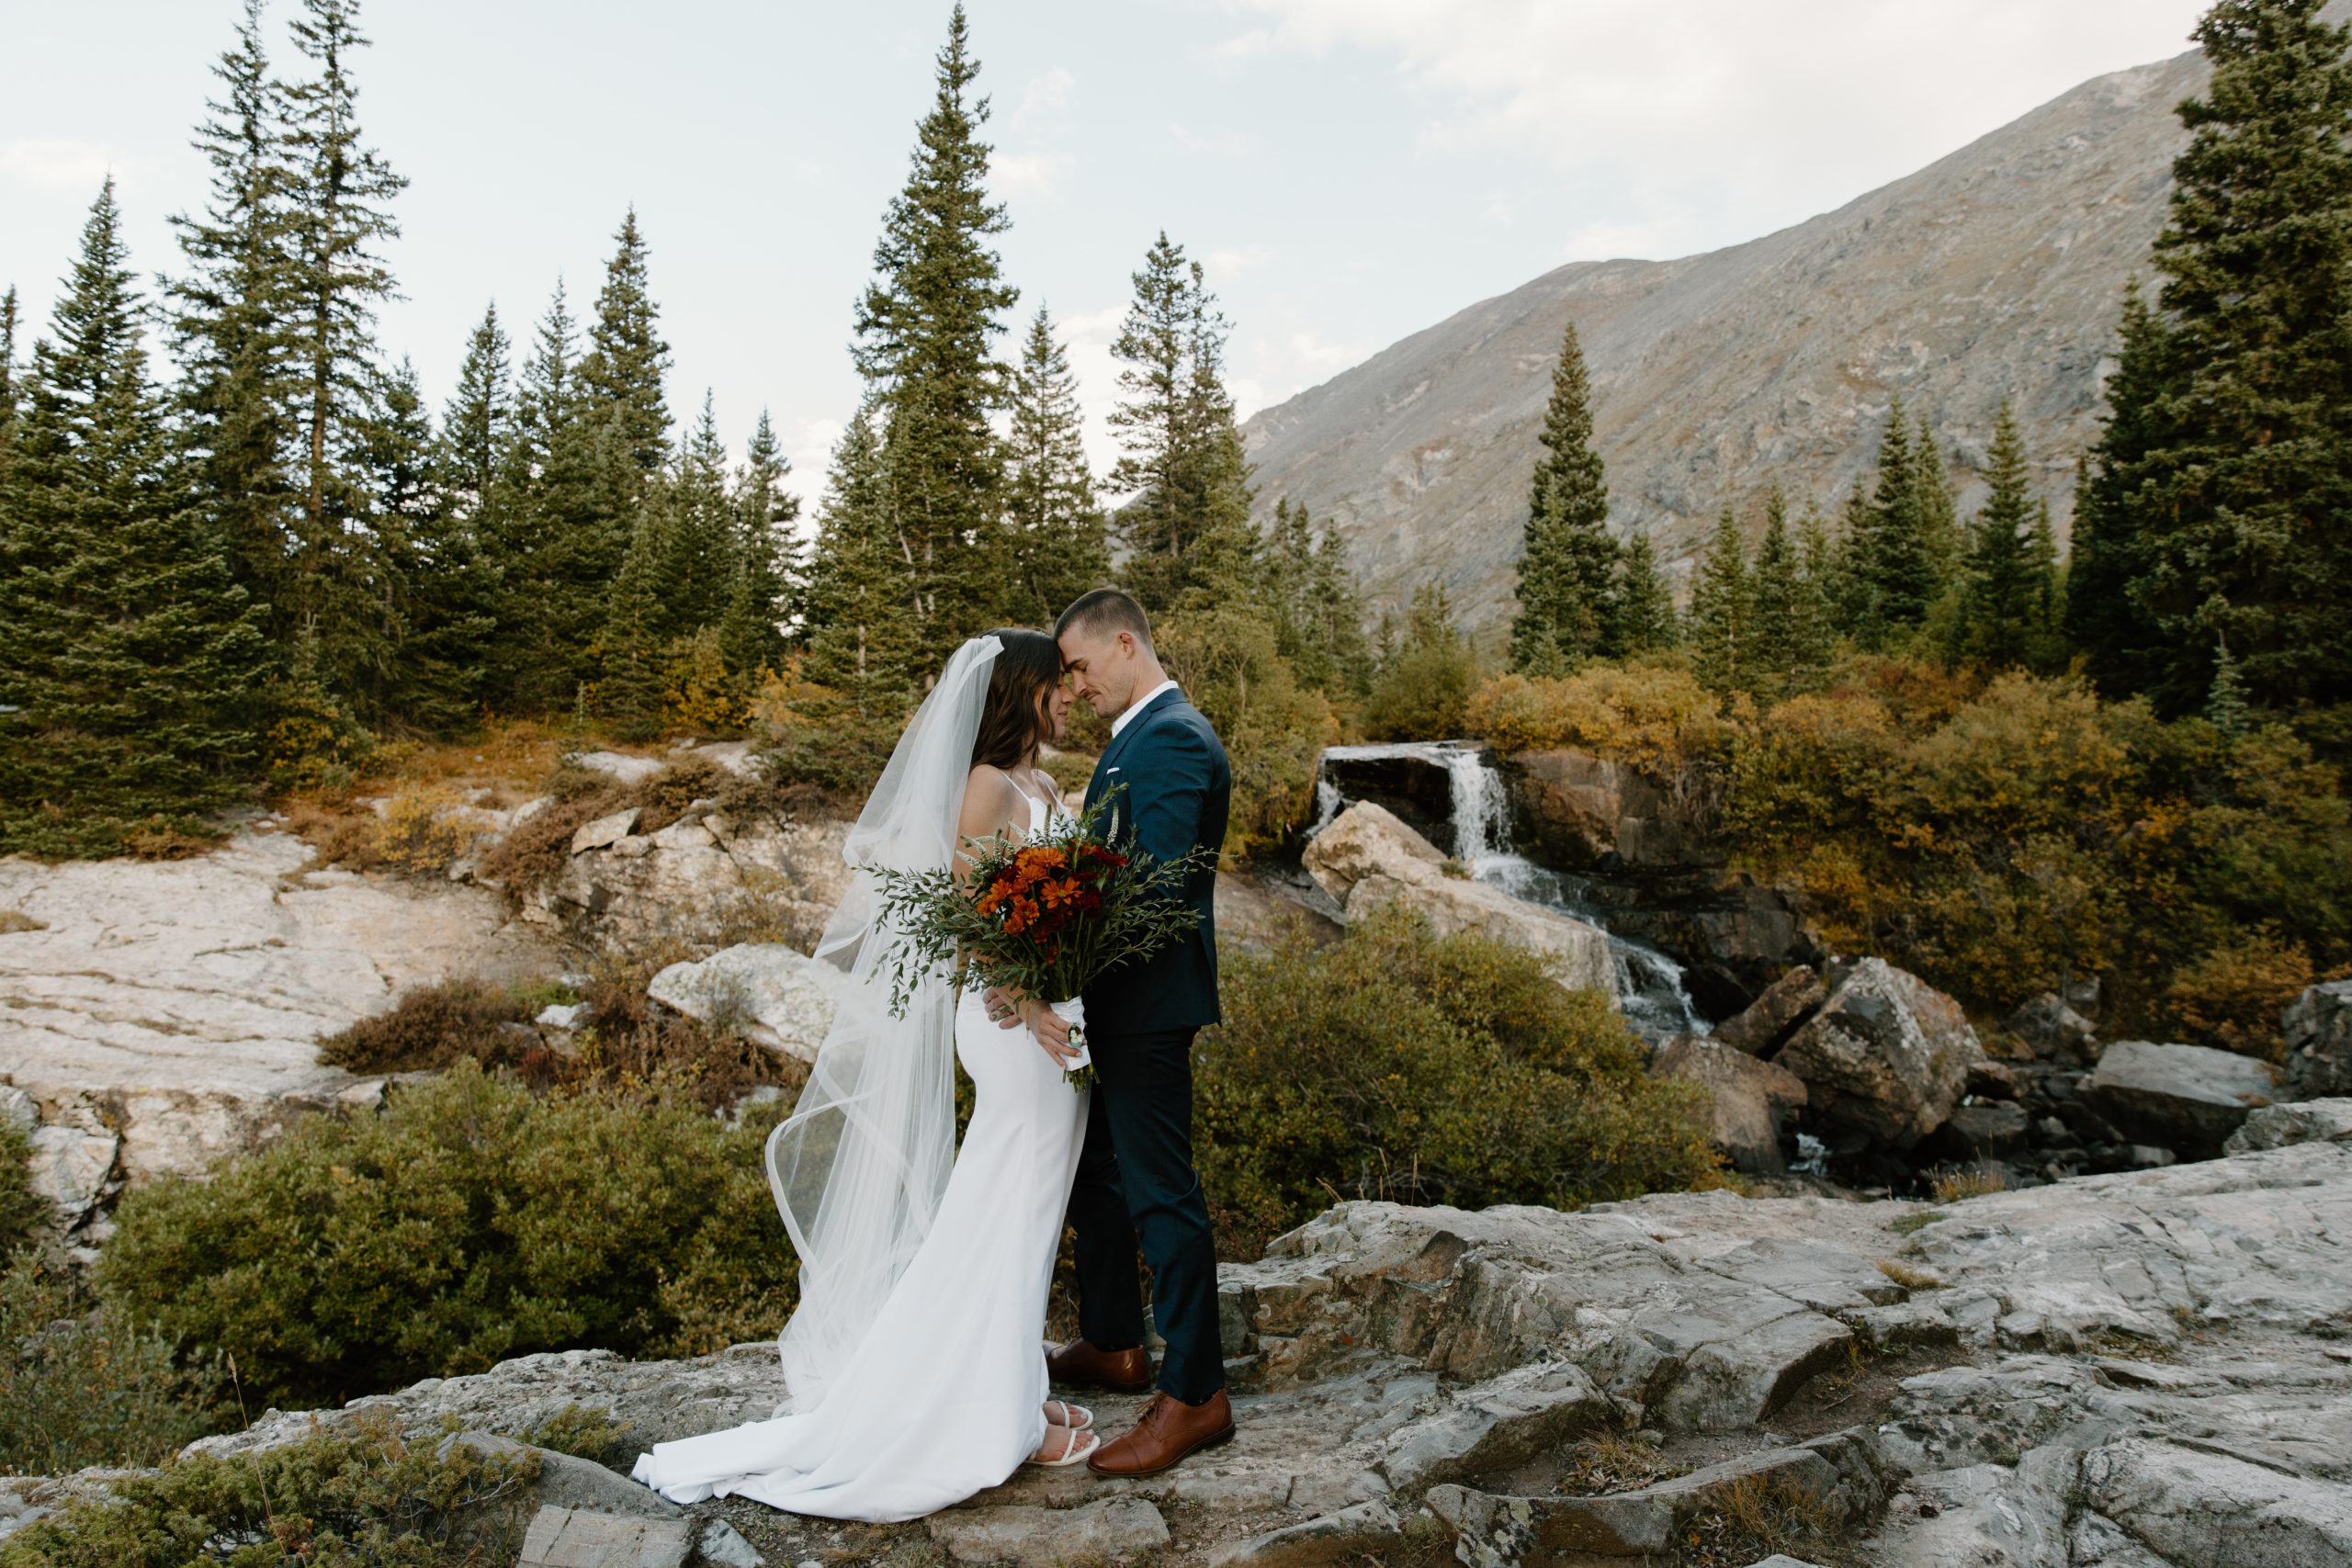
(429, 1028)
(332, 1500)
(469, 1222)
(1396, 1065)
(23, 1211)
(79, 1385)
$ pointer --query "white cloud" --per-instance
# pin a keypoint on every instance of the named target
(54, 165)
(1035, 175)
(1230, 261)
(1044, 94)
(1730, 110)
(812, 454)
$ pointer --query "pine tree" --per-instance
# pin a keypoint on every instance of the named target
(1646, 619)
(2225, 706)
(1188, 528)
(762, 597)
(2113, 493)
(11, 383)
(1776, 590)
(336, 584)
(479, 422)
(1812, 623)
(233, 315)
(2041, 566)
(127, 650)
(1567, 611)
(2243, 498)
(1305, 592)
(925, 328)
(1896, 554)
(2004, 598)
(442, 622)
(862, 632)
(1939, 530)
(1058, 538)
(699, 533)
(621, 376)
(636, 629)
(1723, 611)
(1337, 633)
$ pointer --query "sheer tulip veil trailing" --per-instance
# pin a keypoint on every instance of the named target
(914, 1362)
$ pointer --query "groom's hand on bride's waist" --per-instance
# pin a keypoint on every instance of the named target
(1013, 1011)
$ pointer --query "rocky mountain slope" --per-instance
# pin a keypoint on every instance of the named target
(1997, 272)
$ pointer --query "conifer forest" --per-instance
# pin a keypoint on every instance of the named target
(241, 557)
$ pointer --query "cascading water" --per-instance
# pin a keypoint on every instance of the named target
(1650, 984)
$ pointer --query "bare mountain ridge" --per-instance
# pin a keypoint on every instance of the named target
(1996, 271)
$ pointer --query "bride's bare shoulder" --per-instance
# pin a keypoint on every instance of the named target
(989, 797)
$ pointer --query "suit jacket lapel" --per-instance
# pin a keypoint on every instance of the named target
(1111, 753)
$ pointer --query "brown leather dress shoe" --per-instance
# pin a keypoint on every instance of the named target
(1082, 1366)
(1168, 1430)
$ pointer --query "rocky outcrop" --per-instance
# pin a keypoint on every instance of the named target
(706, 877)
(177, 1007)
(2055, 1030)
(1754, 1102)
(1586, 812)
(2188, 1098)
(1885, 1055)
(2279, 1126)
(2318, 1026)
(1367, 859)
(1765, 1025)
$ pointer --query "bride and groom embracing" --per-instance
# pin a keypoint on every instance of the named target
(915, 1362)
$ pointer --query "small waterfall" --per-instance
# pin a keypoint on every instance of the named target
(1328, 801)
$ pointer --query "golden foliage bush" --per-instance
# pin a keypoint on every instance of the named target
(417, 832)
(1394, 1063)
(2232, 995)
(1658, 718)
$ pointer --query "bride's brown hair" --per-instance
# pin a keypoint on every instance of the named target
(1013, 721)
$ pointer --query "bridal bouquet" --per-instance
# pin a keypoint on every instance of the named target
(1044, 915)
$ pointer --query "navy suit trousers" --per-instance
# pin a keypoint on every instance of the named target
(1135, 1185)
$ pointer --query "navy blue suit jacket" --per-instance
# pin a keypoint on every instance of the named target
(1178, 792)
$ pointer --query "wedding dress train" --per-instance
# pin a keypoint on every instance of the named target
(944, 1396)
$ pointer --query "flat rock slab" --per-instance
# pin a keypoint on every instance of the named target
(780, 997)
(185, 1000)
(1043, 1538)
(570, 1538)
(1351, 1532)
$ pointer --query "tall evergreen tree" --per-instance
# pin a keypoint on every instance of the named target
(1897, 556)
(1311, 600)
(443, 621)
(2111, 544)
(926, 329)
(863, 634)
(340, 218)
(1776, 645)
(479, 422)
(128, 653)
(11, 383)
(1813, 621)
(1057, 540)
(701, 530)
(2006, 595)
(233, 315)
(1567, 611)
(2240, 489)
(621, 376)
(1723, 610)
(1939, 529)
(1646, 619)
(1188, 526)
(761, 597)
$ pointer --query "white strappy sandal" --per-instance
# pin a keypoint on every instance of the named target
(1076, 1452)
(1077, 1418)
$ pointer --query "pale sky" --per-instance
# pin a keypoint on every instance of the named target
(1350, 171)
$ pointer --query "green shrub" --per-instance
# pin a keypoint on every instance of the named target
(429, 1028)
(1396, 1064)
(23, 1211)
(367, 1500)
(1422, 686)
(1274, 730)
(81, 1385)
(471, 1221)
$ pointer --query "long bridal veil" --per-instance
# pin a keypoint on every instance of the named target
(859, 1166)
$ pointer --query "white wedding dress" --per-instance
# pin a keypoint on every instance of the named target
(944, 1393)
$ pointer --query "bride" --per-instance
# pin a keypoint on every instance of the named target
(915, 1360)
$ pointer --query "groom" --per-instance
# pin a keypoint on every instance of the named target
(1135, 1174)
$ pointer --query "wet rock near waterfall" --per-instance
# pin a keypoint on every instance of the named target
(1753, 1103)
(1367, 859)
(2188, 1098)
(1587, 812)
(2318, 1029)
(1734, 934)
(1765, 1025)
(1886, 1056)
(1414, 782)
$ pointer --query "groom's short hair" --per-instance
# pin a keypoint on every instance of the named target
(1105, 611)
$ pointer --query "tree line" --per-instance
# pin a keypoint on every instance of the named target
(2213, 532)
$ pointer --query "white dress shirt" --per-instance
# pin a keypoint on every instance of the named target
(1137, 706)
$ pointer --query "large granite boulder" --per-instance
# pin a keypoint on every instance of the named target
(774, 995)
(1367, 859)
(2188, 1098)
(1587, 811)
(706, 877)
(2281, 1126)
(1765, 1025)
(1753, 1100)
(1885, 1055)
(2055, 1030)
(2318, 1026)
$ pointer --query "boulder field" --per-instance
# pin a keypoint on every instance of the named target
(2143, 1370)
